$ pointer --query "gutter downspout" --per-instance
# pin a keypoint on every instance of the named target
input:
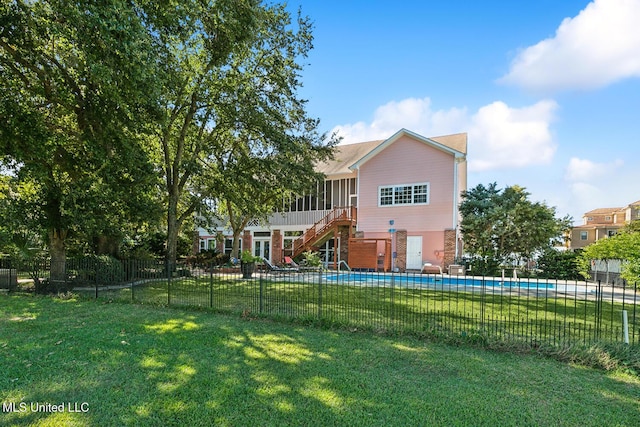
(455, 202)
(358, 194)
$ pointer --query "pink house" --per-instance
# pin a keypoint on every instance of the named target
(404, 190)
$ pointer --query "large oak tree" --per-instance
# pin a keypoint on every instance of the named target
(76, 87)
(235, 129)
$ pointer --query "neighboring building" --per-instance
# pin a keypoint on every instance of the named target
(602, 223)
(398, 195)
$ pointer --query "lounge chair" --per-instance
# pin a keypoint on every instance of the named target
(429, 268)
(290, 262)
(275, 269)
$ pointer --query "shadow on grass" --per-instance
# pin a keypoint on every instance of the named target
(135, 365)
(534, 316)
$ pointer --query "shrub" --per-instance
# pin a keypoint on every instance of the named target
(563, 265)
(94, 270)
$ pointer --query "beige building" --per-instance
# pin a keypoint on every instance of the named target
(602, 223)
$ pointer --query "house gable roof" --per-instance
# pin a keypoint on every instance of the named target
(452, 144)
(602, 211)
(344, 156)
(350, 156)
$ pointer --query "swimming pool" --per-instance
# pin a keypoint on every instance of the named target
(404, 279)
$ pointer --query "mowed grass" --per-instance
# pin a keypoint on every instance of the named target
(148, 366)
(531, 316)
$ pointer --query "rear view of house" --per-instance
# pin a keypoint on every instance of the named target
(384, 204)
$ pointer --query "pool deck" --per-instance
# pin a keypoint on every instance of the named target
(559, 288)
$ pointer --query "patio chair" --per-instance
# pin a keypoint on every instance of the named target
(290, 262)
(429, 268)
(275, 269)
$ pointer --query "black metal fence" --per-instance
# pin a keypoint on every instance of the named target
(537, 312)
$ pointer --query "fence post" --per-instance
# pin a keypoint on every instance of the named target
(211, 285)
(635, 300)
(598, 311)
(261, 295)
(483, 292)
(320, 294)
(168, 267)
(392, 314)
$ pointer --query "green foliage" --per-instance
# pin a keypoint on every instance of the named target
(76, 93)
(152, 244)
(95, 270)
(562, 265)
(484, 266)
(623, 246)
(107, 109)
(499, 226)
(209, 257)
(312, 259)
(270, 150)
(247, 257)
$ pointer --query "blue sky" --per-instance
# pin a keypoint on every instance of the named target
(548, 91)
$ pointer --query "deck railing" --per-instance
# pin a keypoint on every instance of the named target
(337, 216)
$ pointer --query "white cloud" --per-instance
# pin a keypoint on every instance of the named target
(583, 170)
(598, 47)
(413, 114)
(500, 137)
(594, 185)
(505, 137)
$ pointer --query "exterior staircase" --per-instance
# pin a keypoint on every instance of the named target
(321, 230)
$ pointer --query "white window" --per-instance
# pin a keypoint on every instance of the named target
(386, 196)
(287, 241)
(228, 245)
(583, 235)
(404, 194)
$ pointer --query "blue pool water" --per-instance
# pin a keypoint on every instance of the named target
(433, 280)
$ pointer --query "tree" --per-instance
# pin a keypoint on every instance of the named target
(232, 114)
(503, 225)
(557, 264)
(257, 166)
(76, 83)
(257, 184)
(625, 246)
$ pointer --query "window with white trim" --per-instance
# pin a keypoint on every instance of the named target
(228, 245)
(404, 194)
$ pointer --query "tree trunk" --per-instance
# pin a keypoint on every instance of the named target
(106, 245)
(58, 252)
(235, 251)
(173, 228)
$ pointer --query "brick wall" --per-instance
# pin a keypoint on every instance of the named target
(449, 248)
(276, 247)
(247, 241)
(344, 242)
(401, 249)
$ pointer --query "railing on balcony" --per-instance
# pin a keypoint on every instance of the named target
(338, 216)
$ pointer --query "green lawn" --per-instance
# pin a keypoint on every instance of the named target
(142, 365)
(510, 316)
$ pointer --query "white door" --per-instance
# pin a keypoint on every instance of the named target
(414, 252)
(261, 248)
